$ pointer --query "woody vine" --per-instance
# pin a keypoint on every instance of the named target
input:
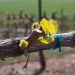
(43, 37)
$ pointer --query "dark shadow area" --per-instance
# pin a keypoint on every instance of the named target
(42, 63)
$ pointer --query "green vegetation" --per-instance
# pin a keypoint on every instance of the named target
(31, 6)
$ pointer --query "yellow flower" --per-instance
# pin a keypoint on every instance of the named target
(23, 44)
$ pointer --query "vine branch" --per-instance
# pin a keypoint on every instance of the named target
(10, 47)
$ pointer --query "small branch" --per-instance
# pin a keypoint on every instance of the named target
(10, 47)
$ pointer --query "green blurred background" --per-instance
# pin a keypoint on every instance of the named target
(31, 7)
(20, 26)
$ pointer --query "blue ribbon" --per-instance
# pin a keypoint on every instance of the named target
(59, 39)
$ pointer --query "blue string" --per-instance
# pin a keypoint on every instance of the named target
(59, 39)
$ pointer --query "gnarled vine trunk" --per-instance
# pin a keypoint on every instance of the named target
(10, 47)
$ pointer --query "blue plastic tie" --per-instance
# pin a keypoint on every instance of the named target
(59, 39)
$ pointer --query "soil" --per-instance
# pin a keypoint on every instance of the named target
(60, 65)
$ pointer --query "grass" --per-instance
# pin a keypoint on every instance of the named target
(31, 6)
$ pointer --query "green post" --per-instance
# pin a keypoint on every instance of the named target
(40, 9)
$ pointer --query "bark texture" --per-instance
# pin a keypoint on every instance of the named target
(10, 47)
